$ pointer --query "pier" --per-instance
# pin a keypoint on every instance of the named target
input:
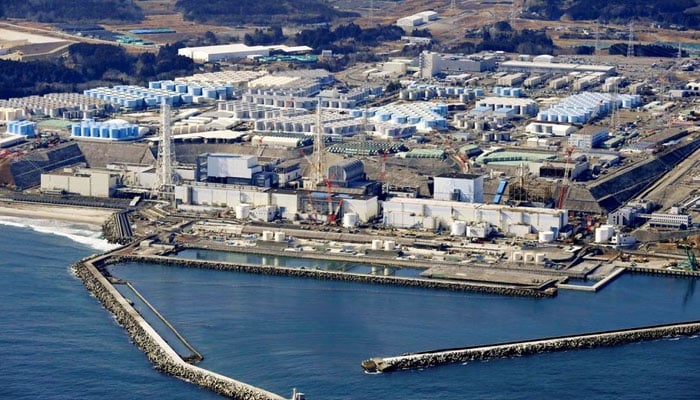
(528, 347)
(536, 291)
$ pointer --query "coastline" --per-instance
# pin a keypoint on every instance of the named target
(86, 215)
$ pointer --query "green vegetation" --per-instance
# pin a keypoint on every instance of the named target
(682, 13)
(345, 38)
(71, 10)
(261, 12)
(651, 50)
(88, 65)
(502, 37)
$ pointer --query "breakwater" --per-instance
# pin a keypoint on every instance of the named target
(529, 347)
(658, 271)
(93, 275)
(340, 276)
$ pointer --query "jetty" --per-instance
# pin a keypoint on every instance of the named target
(434, 358)
(97, 280)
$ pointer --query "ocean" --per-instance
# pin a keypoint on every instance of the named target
(279, 333)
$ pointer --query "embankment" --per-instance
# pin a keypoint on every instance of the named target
(341, 276)
(522, 348)
(163, 357)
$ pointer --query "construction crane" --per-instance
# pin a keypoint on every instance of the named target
(565, 186)
(691, 262)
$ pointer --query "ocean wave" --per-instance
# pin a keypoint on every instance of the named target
(85, 234)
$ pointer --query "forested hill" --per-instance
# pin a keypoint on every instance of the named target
(71, 10)
(259, 11)
(679, 12)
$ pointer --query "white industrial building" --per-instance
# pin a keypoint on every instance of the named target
(552, 67)
(459, 187)
(430, 214)
(81, 181)
(430, 63)
(291, 205)
(589, 137)
(235, 51)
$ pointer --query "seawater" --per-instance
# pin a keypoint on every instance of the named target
(279, 333)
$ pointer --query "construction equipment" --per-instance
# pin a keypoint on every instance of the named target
(691, 262)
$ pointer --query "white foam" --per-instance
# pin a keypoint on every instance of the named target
(85, 234)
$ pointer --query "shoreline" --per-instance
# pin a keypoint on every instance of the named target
(85, 215)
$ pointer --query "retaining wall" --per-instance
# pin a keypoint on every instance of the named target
(513, 349)
(338, 276)
(163, 357)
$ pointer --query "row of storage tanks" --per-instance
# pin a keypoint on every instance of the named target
(270, 236)
(578, 109)
(105, 130)
(508, 92)
(427, 92)
(528, 257)
(386, 245)
(460, 228)
(22, 127)
(134, 97)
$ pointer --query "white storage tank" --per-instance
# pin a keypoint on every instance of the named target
(350, 220)
(376, 244)
(242, 211)
(268, 235)
(604, 233)
(459, 228)
(546, 236)
(389, 245)
(539, 258)
(280, 236)
(429, 224)
(529, 257)
(517, 256)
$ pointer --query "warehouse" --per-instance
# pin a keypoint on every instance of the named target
(81, 181)
(236, 51)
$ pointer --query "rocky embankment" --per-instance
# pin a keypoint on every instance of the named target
(515, 349)
(341, 276)
(156, 349)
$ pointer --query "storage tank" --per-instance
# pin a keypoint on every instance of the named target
(429, 224)
(376, 244)
(517, 256)
(268, 235)
(389, 245)
(539, 258)
(280, 236)
(459, 228)
(242, 211)
(546, 237)
(350, 220)
(529, 257)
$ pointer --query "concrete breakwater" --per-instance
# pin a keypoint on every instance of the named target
(528, 347)
(340, 276)
(158, 351)
(658, 271)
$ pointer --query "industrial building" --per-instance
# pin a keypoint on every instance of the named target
(233, 169)
(236, 51)
(589, 137)
(410, 22)
(553, 68)
(429, 214)
(11, 114)
(81, 181)
(431, 64)
(550, 129)
(459, 187)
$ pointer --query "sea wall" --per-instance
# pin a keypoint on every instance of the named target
(157, 350)
(339, 276)
(514, 349)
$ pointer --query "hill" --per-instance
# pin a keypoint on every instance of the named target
(264, 12)
(71, 10)
(682, 13)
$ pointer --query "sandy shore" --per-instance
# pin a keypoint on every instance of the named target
(95, 216)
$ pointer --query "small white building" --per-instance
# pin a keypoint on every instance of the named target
(459, 187)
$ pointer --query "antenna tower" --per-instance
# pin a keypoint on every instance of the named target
(166, 153)
(371, 13)
(680, 50)
(615, 115)
(630, 45)
(596, 53)
(453, 5)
